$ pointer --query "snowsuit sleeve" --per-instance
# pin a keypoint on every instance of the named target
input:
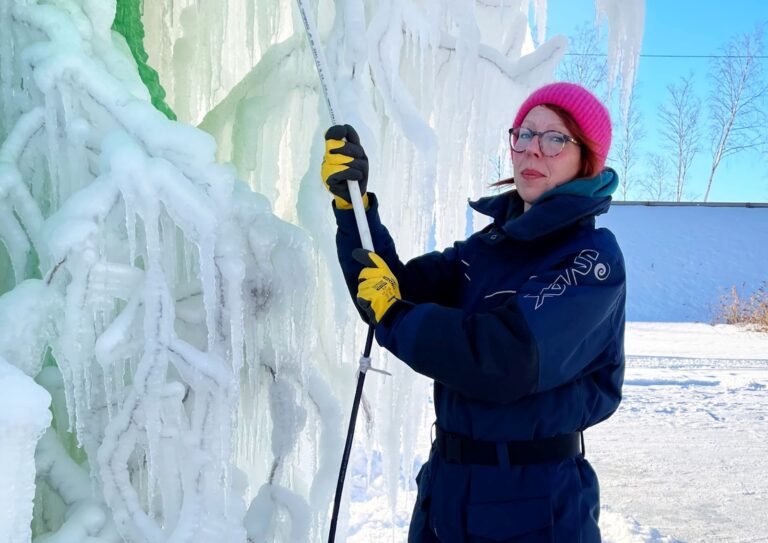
(547, 334)
(428, 278)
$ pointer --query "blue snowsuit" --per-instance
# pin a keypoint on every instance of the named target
(521, 326)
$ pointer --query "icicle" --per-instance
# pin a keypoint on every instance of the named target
(625, 35)
(233, 271)
(15, 241)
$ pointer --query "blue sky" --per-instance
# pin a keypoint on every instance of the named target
(685, 27)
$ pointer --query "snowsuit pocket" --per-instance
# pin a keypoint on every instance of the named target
(423, 485)
(419, 530)
(526, 520)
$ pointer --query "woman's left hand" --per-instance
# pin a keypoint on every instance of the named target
(377, 290)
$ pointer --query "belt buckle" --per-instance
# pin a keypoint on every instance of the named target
(452, 448)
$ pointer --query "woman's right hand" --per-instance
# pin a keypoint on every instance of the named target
(344, 160)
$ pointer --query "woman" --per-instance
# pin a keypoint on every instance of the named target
(521, 326)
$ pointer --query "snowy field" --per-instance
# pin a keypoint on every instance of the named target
(685, 458)
(681, 260)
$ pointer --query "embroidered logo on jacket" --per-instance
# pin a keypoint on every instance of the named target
(584, 264)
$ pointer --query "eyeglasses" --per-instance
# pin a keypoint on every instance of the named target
(551, 142)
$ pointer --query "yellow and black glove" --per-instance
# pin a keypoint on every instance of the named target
(344, 161)
(377, 290)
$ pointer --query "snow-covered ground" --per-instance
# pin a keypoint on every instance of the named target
(685, 458)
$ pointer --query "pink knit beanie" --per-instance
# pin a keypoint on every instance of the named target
(588, 112)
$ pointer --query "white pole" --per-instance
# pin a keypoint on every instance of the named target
(326, 82)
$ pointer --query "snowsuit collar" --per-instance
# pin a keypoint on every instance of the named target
(554, 210)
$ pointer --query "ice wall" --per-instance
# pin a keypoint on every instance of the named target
(160, 275)
(195, 335)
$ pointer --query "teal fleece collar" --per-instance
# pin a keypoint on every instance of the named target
(603, 184)
(553, 210)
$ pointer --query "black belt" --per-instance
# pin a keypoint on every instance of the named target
(458, 449)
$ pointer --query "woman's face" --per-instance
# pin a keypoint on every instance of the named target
(535, 173)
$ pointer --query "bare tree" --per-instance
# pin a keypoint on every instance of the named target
(737, 109)
(627, 143)
(657, 183)
(585, 63)
(680, 129)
